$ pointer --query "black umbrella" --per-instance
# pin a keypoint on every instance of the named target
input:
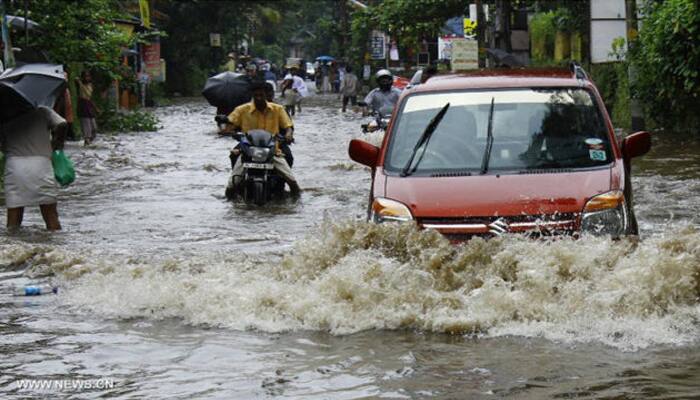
(503, 58)
(227, 90)
(27, 87)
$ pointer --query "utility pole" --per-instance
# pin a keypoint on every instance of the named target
(342, 39)
(8, 59)
(631, 21)
(480, 29)
(502, 25)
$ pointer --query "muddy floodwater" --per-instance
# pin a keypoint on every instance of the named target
(170, 291)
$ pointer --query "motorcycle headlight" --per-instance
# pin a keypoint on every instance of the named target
(605, 214)
(386, 210)
(372, 126)
(259, 154)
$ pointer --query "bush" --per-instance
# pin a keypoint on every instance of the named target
(613, 85)
(666, 57)
(542, 31)
(127, 121)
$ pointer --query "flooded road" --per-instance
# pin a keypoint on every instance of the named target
(173, 292)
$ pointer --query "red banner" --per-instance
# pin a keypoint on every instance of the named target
(151, 59)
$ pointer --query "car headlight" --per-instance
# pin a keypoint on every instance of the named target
(385, 210)
(605, 214)
(259, 154)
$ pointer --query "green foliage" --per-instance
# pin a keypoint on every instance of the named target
(666, 57)
(268, 25)
(612, 82)
(564, 20)
(410, 21)
(542, 31)
(130, 121)
(79, 31)
(271, 52)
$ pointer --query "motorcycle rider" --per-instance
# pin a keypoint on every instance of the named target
(261, 114)
(383, 97)
(284, 146)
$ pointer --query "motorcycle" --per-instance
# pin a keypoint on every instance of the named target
(261, 183)
(380, 119)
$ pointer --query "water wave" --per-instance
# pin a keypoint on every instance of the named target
(352, 276)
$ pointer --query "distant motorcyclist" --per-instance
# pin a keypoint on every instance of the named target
(261, 114)
(383, 97)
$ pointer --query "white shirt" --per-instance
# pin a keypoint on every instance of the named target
(298, 84)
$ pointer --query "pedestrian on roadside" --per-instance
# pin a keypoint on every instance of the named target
(326, 86)
(87, 112)
(289, 95)
(318, 77)
(299, 86)
(230, 64)
(64, 108)
(339, 78)
(348, 88)
(333, 77)
(27, 142)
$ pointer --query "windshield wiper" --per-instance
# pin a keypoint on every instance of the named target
(489, 141)
(424, 138)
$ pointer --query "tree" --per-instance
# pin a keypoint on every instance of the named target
(667, 60)
(409, 21)
(78, 31)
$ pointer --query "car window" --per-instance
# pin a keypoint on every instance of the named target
(532, 129)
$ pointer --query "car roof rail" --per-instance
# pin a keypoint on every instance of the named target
(577, 71)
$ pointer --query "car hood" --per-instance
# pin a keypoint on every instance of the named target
(498, 195)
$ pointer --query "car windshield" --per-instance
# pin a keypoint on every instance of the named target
(532, 129)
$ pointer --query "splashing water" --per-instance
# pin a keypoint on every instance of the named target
(358, 276)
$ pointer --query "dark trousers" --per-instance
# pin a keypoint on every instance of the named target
(351, 99)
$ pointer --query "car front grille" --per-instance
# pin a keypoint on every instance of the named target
(463, 228)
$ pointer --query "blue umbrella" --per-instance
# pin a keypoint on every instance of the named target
(325, 58)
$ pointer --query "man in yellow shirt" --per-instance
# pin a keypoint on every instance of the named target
(261, 114)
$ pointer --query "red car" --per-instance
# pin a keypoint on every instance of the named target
(509, 150)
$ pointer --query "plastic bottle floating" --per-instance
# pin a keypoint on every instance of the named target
(36, 290)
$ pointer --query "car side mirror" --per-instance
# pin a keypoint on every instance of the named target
(636, 144)
(363, 152)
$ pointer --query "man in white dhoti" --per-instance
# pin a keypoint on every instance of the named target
(28, 142)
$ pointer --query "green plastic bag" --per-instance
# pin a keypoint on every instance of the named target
(62, 168)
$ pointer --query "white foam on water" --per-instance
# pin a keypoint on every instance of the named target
(353, 276)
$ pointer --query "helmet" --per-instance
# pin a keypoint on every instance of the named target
(252, 66)
(384, 79)
(383, 72)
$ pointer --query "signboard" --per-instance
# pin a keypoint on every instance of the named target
(151, 60)
(469, 28)
(607, 24)
(215, 39)
(366, 72)
(465, 54)
(145, 13)
(445, 47)
(378, 45)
